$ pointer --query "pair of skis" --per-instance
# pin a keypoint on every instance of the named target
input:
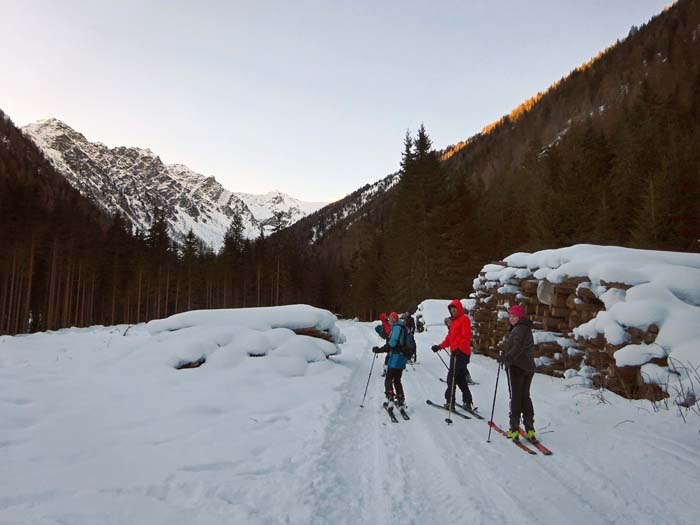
(522, 446)
(473, 413)
(534, 442)
(392, 414)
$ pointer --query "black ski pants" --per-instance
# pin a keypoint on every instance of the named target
(457, 375)
(520, 402)
(393, 381)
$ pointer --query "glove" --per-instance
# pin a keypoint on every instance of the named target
(376, 350)
(501, 360)
(435, 348)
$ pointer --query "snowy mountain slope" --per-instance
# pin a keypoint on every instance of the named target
(275, 210)
(99, 428)
(132, 181)
(342, 213)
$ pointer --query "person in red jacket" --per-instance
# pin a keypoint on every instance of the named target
(459, 340)
(384, 331)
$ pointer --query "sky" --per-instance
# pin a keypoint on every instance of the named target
(311, 98)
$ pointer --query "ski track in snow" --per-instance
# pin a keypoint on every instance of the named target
(425, 471)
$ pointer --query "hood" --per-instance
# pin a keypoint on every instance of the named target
(525, 321)
(458, 304)
(522, 321)
(382, 317)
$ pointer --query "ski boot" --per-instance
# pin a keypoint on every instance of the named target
(531, 434)
(389, 403)
(513, 435)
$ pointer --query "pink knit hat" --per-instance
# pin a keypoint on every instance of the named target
(517, 311)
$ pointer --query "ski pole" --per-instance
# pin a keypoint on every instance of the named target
(370, 375)
(443, 361)
(493, 406)
(510, 391)
(451, 401)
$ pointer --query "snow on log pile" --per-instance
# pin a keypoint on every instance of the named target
(620, 318)
(293, 335)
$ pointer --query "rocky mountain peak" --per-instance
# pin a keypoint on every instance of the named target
(133, 181)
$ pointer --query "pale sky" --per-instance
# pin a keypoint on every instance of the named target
(310, 98)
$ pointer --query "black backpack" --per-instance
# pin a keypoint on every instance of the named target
(403, 345)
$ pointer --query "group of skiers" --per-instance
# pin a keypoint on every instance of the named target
(516, 358)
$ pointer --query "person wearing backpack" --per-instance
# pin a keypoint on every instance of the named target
(459, 340)
(410, 326)
(396, 349)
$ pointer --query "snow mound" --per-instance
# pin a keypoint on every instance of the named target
(293, 317)
(107, 422)
(432, 312)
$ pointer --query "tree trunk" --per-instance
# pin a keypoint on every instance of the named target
(167, 291)
(50, 307)
(138, 301)
(11, 307)
(258, 304)
(277, 292)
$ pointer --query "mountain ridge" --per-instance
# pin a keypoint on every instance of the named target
(133, 181)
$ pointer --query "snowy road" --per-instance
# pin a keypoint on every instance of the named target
(604, 469)
(98, 427)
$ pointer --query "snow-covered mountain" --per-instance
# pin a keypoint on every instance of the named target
(134, 181)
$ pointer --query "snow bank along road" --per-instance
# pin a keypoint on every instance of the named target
(96, 427)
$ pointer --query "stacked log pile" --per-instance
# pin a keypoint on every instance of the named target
(556, 309)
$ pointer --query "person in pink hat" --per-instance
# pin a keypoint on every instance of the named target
(519, 362)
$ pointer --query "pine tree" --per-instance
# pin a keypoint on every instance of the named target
(233, 238)
(157, 237)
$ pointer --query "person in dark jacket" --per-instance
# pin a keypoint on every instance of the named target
(410, 326)
(396, 362)
(459, 340)
(520, 367)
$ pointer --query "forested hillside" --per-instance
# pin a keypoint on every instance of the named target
(610, 154)
(66, 263)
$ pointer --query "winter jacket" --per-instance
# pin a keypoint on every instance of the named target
(385, 325)
(460, 334)
(410, 324)
(396, 357)
(519, 347)
(380, 331)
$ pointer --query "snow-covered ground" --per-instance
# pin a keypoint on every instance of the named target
(97, 426)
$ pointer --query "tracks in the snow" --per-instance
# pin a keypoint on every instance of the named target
(423, 471)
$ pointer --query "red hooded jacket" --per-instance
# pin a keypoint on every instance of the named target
(460, 335)
(385, 324)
